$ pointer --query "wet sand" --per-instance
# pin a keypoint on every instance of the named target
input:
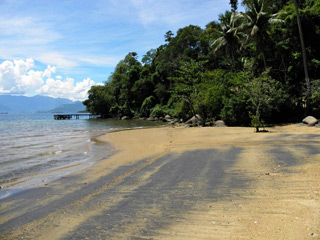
(182, 183)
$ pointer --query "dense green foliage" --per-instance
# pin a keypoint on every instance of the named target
(246, 68)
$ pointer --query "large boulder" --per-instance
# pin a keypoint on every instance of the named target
(197, 119)
(151, 119)
(219, 123)
(125, 118)
(310, 120)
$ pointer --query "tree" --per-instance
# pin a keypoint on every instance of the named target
(100, 100)
(148, 57)
(186, 84)
(168, 36)
(229, 34)
(304, 55)
(265, 94)
(259, 18)
(185, 45)
(127, 72)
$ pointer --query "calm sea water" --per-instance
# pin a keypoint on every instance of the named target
(35, 149)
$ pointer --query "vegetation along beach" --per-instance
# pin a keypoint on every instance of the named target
(192, 121)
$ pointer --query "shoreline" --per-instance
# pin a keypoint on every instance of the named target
(48, 175)
(266, 188)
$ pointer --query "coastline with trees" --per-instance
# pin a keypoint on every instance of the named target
(221, 72)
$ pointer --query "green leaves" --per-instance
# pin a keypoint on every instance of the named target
(229, 34)
(186, 83)
(265, 94)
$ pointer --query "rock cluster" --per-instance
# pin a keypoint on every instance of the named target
(196, 120)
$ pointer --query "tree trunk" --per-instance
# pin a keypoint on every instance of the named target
(264, 59)
(304, 55)
(233, 59)
(260, 50)
(258, 118)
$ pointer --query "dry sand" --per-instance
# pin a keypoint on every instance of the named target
(266, 186)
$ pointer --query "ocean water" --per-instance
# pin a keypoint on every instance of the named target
(36, 149)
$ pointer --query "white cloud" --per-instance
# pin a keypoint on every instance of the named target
(66, 89)
(18, 77)
(48, 72)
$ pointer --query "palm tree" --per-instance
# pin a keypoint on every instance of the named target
(258, 17)
(304, 55)
(229, 34)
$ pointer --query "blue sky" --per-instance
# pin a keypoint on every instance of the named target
(60, 48)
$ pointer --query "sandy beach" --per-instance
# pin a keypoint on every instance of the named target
(182, 183)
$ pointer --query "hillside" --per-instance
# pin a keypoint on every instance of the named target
(12, 103)
(69, 108)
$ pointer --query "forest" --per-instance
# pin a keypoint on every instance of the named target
(255, 67)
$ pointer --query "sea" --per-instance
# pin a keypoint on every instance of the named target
(35, 149)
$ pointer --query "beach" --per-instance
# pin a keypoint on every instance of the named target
(181, 183)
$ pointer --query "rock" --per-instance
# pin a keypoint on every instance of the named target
(167, 118)
(173, 121)
(209, 124)
(125, 118)
(311, 121)
(220, 123)
(195, 120)
(151, 119)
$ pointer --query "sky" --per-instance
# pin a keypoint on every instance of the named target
(61, 48)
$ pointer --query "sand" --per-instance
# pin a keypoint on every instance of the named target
(182, 183)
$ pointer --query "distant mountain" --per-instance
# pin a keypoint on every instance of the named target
(30, 104)
(69, 108)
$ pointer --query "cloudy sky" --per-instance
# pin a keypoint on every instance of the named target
(61, 48)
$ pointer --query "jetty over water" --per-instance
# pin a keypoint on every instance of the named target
(74, 115)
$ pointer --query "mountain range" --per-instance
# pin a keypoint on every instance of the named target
(22, 104)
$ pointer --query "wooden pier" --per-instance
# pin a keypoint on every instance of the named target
(74, 115)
